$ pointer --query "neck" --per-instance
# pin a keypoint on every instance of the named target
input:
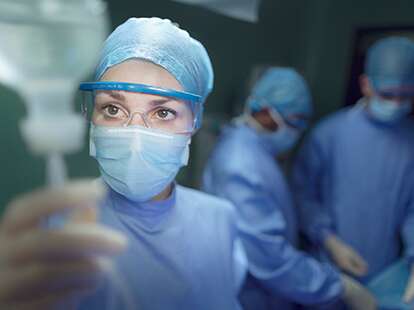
(164, 194)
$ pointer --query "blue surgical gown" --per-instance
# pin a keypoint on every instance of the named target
(242, 169)
(180, 253)
(354, 178)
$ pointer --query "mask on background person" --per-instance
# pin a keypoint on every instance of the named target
(278, 141)
(387, 111)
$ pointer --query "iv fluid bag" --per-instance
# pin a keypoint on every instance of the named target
(49, 39)
(46, 48)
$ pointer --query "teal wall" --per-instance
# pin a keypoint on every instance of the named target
(315, 36)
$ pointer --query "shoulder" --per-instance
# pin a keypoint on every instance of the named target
(237, 151)
(204, 204)
(234, 139)
(325, 131)
(331, 122)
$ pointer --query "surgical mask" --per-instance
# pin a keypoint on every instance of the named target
(138, 162)
(387, 111)
(282, 140)
(279, 141)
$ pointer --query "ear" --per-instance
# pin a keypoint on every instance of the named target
(365, 85)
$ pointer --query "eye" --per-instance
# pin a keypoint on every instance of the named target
(113, 111)
(165, 114)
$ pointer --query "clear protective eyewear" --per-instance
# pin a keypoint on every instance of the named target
(401, 94)
(113, 104)
(298, 124)
(294, 121)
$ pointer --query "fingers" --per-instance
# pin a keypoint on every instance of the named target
(409, 290)
(71, 242)
(347, 258)
(357, 264)
(25, 283)
(29, 210)
(356, 296)
(66, 298)
(42, 267)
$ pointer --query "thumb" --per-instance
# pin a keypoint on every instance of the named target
(409, 289)
(358, 263)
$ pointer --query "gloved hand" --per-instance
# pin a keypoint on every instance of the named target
(356, 296)
(345, 257)
(41, 268)
(409, 289)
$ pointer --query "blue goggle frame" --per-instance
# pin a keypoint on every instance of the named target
(402, 92)
(195, 100)
(140, 88)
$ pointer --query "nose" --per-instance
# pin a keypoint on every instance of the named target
(137, 118)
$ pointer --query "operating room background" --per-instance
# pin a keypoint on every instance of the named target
(315, 37)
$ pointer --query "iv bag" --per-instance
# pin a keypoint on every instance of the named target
(46, 47)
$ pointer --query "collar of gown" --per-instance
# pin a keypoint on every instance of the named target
(150, 214)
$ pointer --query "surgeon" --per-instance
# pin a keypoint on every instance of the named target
(147, 100)
(353, 178)
(243, 168)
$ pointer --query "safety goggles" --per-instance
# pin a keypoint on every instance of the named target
(400, 94)
(392, 88)
(120, 104)
(294, 121)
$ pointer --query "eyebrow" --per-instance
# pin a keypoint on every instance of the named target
(158, 102)
(119, 96)
(114, 94)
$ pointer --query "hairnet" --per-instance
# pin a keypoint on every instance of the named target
(390, 65)
(282, 89)
(160, 42)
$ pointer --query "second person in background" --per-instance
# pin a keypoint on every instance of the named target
(243, 168)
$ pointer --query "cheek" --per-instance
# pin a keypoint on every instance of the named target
(97, 118)
(269, 123)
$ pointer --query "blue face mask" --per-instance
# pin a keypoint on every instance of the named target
(387, 111)
(137, 162)
(282, 140)
(279, 141)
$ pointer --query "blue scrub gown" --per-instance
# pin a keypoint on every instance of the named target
(243, 170)
(354, 178)
(180, 253)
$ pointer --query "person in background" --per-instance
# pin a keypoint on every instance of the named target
(243, 169)
(354, 178)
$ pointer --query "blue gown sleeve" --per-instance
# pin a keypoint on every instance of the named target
(310, 167)
(271, 258)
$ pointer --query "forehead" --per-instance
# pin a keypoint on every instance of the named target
(142, 72)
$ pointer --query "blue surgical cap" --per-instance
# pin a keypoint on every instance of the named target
(390, 65)
(282, 89)
(162, 43)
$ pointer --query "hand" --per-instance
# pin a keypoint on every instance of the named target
(409, 289)
(40, 268)
(356, 296)
(346, 257)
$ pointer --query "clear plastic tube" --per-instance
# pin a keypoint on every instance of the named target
(55, 170)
